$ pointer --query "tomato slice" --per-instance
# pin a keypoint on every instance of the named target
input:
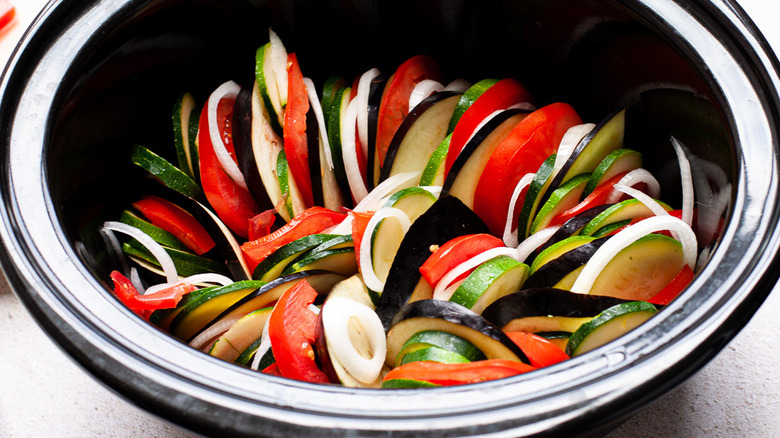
(500, 96)
(291, 329)
(310, 221)
(232, 203)
(455, 252)
(534, 139)
(295, 139)
(395, 102)
(671, 290)
(447, 374)
(164, 299)
(539, 350)
(177, 221)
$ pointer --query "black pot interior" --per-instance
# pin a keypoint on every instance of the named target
(594, 55)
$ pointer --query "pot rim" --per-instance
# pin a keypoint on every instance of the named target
(146, 366)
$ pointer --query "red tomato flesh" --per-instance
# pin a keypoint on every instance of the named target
(291, 328)
(295, 139)
(671, 290)
(534, 139)
(500, 96)
(177, 221)
(232, 203)
(395, 102)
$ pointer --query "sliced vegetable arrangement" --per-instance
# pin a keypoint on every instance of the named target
(400, 231)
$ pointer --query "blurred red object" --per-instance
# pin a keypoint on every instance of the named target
(7, 14)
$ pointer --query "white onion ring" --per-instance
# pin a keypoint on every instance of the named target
(569, 142)
(212, 332)
(162, 256)
(510, 238)
(349, 152)
(262, 349)
(629, 235)
(387, 187)
(423, 90)
(279, 68)
(457, 271)
(642, 197)
(363, 90)
(686, 178)
(534, 241)
(459, 85)
(633, 178)
(209, 277)
(366, 264)
(336, 315)
(228, 90)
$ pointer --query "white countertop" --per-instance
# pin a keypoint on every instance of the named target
(44, 393)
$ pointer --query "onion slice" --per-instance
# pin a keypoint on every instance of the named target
(337, 313)
(534, 241)
(642, 197)
(317, 107)
(510, 235)
(262, 349)
(363, 90)
(423, 90)
(459, 85)
(569, 142)
(209, 277)
(166, 263)
(366, 264)
(440, 291)
(686, 177)
(629, 235)
(228, 90)
(349, 152)
(633, 178)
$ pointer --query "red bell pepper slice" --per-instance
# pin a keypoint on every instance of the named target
(395, 102)
(310, 221)
(534, 139)
(7, 15)
(539, 350)
(455, 252)
(594, 199)
(291, 328)
(272, 370)
(500, 96)
(167, 298)
(260, 225)
(232, 203)
(177, 221)
(295, 139)
(447, 374)
(359, 225)
(671, 290)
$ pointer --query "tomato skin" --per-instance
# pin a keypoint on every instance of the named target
(455, 252)
(311, 221)
(539, 350)
(395, 102)
(177, 221)
(500, 96)
(291, 328)
(232, 203)
(164, 299)
(671, 290)
(533, 140)
(448, 374)
(295, 138)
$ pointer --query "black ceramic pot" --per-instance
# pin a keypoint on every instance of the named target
(91, 78)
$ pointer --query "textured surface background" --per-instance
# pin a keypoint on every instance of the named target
(43, 393)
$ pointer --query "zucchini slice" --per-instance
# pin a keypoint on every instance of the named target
(608, 326)
(442, 340)
(241, 335)
(168, 174)
(273, 266)
(631, 208)
(490, 281)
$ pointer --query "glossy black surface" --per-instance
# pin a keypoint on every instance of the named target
(92, 78)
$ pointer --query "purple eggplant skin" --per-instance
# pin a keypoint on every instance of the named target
(554, 271)
(473, 144)
(374, 101)
(242, 145)
(546, 301)
(313, 145)
(408, 122)
(445, 220)
(457, 314)
(571, 227)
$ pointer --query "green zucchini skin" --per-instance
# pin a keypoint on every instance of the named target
(445, 220)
